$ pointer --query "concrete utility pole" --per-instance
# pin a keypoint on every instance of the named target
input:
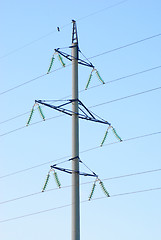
(75, 139)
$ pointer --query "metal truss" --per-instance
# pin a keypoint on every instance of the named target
(84, 112)
(92, 174)
(69, 57)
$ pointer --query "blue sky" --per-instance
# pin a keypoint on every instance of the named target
(28, 38)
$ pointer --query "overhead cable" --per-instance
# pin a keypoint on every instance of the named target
(68, 186)
(129, 96)
(109, 51)
(97, 105)
(61, 27)
(111, 81)
(127, 45)
(29, 81)
(68, 205)
(83, 151)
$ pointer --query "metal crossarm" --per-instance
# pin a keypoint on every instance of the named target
(85, 113)
(58, 108)
(69, 57)
(71, 171)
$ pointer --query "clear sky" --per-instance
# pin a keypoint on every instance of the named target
(28, 38)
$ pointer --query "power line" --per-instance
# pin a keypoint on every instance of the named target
(68, 205)
(26, 45)
(32, 42)
(29, 81)
(129, 193)
(129, 96)
(20, 128)
(83, 151)
(111, 81)
(143, 136)
(19, 115)
(127, 45)
(124, 77)
(124, 140)
(35, 213)
(109, 51)
(61, 27)
(30, 168)
(97, 105)
(104, 9)
(68, 186)
(22, 84)
(14, 130)
(132, 174)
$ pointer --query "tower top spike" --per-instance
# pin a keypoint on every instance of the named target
(74, 33)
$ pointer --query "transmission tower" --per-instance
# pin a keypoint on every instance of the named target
(78, 110)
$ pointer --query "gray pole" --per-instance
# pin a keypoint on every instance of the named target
(75, 139)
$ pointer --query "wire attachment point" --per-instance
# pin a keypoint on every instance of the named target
(51, 64)
(99, 77)
(41, 113)
(103, 188)
(116, 135)
(106, 133)
(56, 179)
(32, 111)
(46, 182)
(105, 136)
(61, 60)
(52, 60)
(92, 191)
(94, 186)
(90, 76)
(30, 117)
(89, 79)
